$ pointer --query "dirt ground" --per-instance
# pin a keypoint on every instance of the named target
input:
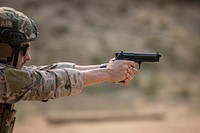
(166, 126)
(174, 122)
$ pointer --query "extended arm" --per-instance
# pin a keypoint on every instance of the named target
(51, 82)
(115, 71)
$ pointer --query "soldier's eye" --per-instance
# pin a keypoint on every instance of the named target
(24, 49)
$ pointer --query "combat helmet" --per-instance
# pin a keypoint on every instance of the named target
(15, 28)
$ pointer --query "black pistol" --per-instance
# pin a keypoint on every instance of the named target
(138, 57)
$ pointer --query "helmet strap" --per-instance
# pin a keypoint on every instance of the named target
(16, 55)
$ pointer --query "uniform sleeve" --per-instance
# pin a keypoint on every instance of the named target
(59, 65)
(39, 85)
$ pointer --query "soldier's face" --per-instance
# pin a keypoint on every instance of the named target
(24, 55)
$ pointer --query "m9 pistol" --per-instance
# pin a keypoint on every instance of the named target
(138, 57)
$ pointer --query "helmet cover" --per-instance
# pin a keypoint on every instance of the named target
(16, 27)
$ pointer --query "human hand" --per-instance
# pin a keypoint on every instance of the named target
(121, 71)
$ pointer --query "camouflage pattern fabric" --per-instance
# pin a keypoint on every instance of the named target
(39, 83)
(17, 21)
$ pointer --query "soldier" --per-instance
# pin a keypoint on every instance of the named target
(41, 83)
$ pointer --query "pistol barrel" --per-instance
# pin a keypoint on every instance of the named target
(138, 57)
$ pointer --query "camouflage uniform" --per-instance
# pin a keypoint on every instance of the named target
(31, 83)
(39, 83)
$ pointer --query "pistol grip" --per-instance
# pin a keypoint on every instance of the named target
(121, 82)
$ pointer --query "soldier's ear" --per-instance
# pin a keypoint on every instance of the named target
(6, 51)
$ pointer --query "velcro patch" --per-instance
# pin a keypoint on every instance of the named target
(6, 23)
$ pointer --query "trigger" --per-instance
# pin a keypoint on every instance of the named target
(140, 65)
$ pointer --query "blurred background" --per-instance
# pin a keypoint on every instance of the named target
(163, 97)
